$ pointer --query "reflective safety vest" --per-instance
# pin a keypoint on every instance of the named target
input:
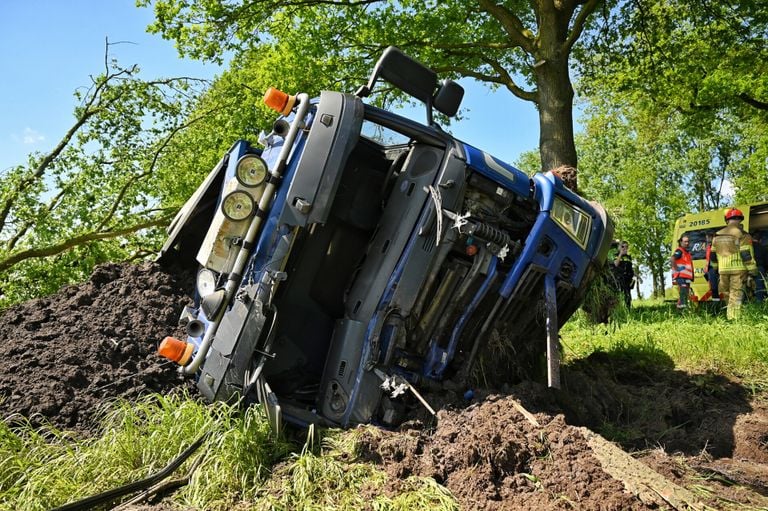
(732, 251)
(682, 266)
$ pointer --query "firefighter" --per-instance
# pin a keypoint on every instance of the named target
(734, 259)
(682, 270)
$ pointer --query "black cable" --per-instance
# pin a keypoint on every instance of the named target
(110, 495)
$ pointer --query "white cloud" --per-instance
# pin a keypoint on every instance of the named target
(31, 136)
(28, 137)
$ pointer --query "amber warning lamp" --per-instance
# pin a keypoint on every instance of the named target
(176, 350)
(279, 101)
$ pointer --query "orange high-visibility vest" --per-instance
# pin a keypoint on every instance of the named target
(682, 268)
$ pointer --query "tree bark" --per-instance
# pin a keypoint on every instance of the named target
(556, 144)
(657, 272)
(555, 92)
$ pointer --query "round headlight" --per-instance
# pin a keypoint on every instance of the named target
(206, 282)
(251, 170)
(237, 206)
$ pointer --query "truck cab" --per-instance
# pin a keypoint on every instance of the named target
(357, 259)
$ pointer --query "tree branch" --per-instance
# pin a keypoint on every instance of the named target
(55, 201)
(513, 27)
(586, 11)
(91, 108)
(502, 77)
(760, 105)
(147, 172)
(41, 252)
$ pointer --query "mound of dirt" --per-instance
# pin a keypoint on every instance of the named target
(525, 449)
(63, 356)
(491, 457)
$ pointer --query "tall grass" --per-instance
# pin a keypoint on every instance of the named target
(241, 465)
(696, 340)
(43, 469)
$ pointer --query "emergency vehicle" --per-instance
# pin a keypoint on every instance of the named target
(697, 225)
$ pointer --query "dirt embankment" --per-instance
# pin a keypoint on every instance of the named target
(63, 356)
(696, 439)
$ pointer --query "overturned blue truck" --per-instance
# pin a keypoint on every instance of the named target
(360, 259)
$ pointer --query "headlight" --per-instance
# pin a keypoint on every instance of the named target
(206, 282)
(251, 170)
(573, 221)
(237, 206)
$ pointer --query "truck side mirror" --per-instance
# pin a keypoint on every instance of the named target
(405, 73)
(416, 80)
(448, 98)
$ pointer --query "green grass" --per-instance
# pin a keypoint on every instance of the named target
(46, 468)
(241, 465)
(699, 340)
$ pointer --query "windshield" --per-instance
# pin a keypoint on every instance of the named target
(382, 135)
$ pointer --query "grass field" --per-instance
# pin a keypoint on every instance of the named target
(697, 340)
(242, 462)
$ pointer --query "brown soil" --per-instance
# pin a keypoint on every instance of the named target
(696, 440)
(62, 357)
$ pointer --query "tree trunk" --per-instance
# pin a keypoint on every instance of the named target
(556, 145)
(555, 93)
(658, 282)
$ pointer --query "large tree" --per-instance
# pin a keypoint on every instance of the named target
(704, 61)
(695, 56)
(522, 46)
(632, 164)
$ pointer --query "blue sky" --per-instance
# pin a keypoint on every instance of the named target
(49, 48)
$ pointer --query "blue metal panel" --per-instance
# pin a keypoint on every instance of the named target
(438, 358)
(498, 171)
(270, 235)
(544, 190)
(546, 187)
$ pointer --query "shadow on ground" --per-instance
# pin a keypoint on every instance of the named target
(634, 396)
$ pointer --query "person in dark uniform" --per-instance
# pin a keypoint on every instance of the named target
(624, 271)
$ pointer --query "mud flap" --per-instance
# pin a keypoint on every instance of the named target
(269, 401)
(553, 351)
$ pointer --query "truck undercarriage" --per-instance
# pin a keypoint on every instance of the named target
(361, 256)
